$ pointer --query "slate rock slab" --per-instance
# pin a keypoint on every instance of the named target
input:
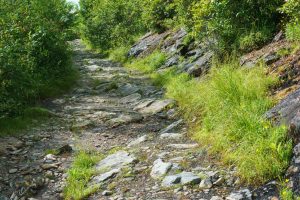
(157, 106)
(288, 112)
(171, 180)
(189, 178)
(117, 160)
(106, 176)
(160, 169)
(244, 194)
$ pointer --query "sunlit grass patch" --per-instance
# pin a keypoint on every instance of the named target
(79, 176)
(148, 64)
(230, 104)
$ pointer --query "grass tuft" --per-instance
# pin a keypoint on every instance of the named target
(148, 64)
(119, 54)
(79, 176)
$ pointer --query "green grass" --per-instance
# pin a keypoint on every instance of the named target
(119, 54)
(31, 117)
(79, 176)
(225, 110)
(229, 105)
(148, 64)
(292, 32)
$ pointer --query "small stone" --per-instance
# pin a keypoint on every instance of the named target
(183, 146)
(138, 141)
(107, 193)
(206, 184)
(171, 127)
(13, 171)
(106, 176)
(244, 194)
(292, 170)
(188, 178)
(171, 180)
(160, 169)
(50, 166)
(171, 136)
(50, 157)
(219, 182)
(216, 198)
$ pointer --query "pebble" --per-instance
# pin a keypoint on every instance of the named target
(13, 171)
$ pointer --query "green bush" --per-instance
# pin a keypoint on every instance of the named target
(106, 24)
(33, 50)
(228, 20)
(159, 14)
(292, 9)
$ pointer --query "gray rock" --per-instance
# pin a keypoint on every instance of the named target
(107, 193)
(117, 160)
(143, 104)
(138, 141)
(244, 194)
(189, 178)
(171, 136)
(160, 169)
(206, 184)
(171, 180)
(171, 126)
(106, 176)
(131, 98)
(2, 197)
(171, 61)
(200, 66)
(147, 44)
(183, 146)
(93, 68)
(157, 106)
(125, 119)
(296, 150)
(288, 112)
(128, 89)
(13, 171)
(216, 198)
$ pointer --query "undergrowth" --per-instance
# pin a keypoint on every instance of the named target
(226, 112)
(148, 64)
(79, 176)
(31, 117)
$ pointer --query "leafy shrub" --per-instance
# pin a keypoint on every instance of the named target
(33, 50)
(292, 9)
(106, 24)
(227, 20)
(159, 14)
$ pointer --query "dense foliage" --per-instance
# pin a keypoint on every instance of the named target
(107, 24)
(292, 9)
(33, 50)
(231, 24)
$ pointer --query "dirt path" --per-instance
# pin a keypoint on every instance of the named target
(114, 109)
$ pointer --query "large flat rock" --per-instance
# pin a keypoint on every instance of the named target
(288, 112)
(117, 160)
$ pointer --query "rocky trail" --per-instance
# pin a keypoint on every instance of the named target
(113, 110)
